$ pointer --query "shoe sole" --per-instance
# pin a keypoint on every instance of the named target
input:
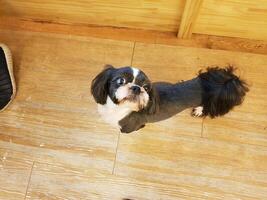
(9, 62)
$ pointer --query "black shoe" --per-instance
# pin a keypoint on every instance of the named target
(7, 81)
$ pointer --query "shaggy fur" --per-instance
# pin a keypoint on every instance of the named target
(222, 90)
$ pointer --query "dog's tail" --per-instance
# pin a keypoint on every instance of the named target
(222, 90)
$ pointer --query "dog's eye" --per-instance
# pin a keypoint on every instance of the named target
(121, 81)
(146, 87)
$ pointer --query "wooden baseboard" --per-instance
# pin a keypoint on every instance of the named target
(137, 35)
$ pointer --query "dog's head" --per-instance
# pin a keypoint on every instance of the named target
(126, 85)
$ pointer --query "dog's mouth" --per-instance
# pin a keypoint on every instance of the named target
(135, 99)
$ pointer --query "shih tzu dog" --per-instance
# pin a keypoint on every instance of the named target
(127, 99)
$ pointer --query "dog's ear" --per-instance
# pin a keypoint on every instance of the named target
(153, 104)
(99, 85)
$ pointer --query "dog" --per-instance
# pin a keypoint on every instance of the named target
(127, 99)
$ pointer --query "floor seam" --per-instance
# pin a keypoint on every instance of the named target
(202, 128)
(118, 140)
(133, 54)
(29, 180)
(115, 159)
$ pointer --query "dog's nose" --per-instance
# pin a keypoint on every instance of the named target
(136, 89)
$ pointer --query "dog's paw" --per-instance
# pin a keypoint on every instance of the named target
(197, 111)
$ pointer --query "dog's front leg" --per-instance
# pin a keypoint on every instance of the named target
(131, 123)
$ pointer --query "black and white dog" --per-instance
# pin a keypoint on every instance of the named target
(127, 99)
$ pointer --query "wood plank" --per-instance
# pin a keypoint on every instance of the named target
(248, 123)
(143, 14)
(52, 182)
(176, 157)
(53, 118)
(190, 14)
(198, 167)
(234, 18)
(176, 63)
(146, 36)
(14, 176)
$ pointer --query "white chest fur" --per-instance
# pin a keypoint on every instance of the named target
(113, 113)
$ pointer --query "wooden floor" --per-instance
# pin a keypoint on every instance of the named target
(53, 145)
